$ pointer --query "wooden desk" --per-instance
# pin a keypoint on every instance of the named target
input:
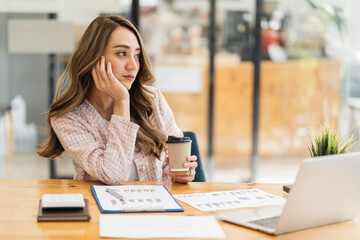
(19, 200)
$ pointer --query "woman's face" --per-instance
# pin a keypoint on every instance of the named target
(123, 51)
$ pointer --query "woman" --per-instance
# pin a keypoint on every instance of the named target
(111, 122)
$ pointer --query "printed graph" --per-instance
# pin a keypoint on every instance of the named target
(146, 196)
(213, 201)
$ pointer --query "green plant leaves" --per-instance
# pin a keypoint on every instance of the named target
(334, 14)
(327, 142)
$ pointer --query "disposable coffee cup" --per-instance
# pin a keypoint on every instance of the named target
(179, 148)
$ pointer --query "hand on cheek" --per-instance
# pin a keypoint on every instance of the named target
(106, 81)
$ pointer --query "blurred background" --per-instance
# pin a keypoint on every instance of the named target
(309, 74)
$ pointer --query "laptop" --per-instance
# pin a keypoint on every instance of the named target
(326, 191)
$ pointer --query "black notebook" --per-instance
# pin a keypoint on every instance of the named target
(64, 214)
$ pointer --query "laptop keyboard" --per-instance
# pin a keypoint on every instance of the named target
(267, 222)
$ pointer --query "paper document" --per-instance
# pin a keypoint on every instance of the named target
(159, 226)
(135, 198)
(212, 201)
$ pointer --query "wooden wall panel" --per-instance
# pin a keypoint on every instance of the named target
(191, 112)
(233, 110)
(295, 95)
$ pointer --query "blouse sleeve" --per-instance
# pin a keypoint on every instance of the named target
(109, 163)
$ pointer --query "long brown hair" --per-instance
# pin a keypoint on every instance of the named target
(78, 81)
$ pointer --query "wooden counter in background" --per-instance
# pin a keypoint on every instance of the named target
(295, 95)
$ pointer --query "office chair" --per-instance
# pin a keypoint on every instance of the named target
(200, 173)
(53, 171)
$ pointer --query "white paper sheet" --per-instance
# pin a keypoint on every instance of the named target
(159, 226)
(213, 201)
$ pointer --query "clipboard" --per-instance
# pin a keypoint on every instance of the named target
(137, 198)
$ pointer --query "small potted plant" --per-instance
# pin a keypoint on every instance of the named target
(326, 141)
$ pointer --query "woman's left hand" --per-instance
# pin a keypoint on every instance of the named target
(185, 176)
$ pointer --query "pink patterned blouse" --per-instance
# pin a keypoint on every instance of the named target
(104, 150)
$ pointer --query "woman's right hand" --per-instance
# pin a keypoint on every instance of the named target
(106, 82)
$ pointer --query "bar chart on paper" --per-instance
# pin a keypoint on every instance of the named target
(212, 201)
(135, 197)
